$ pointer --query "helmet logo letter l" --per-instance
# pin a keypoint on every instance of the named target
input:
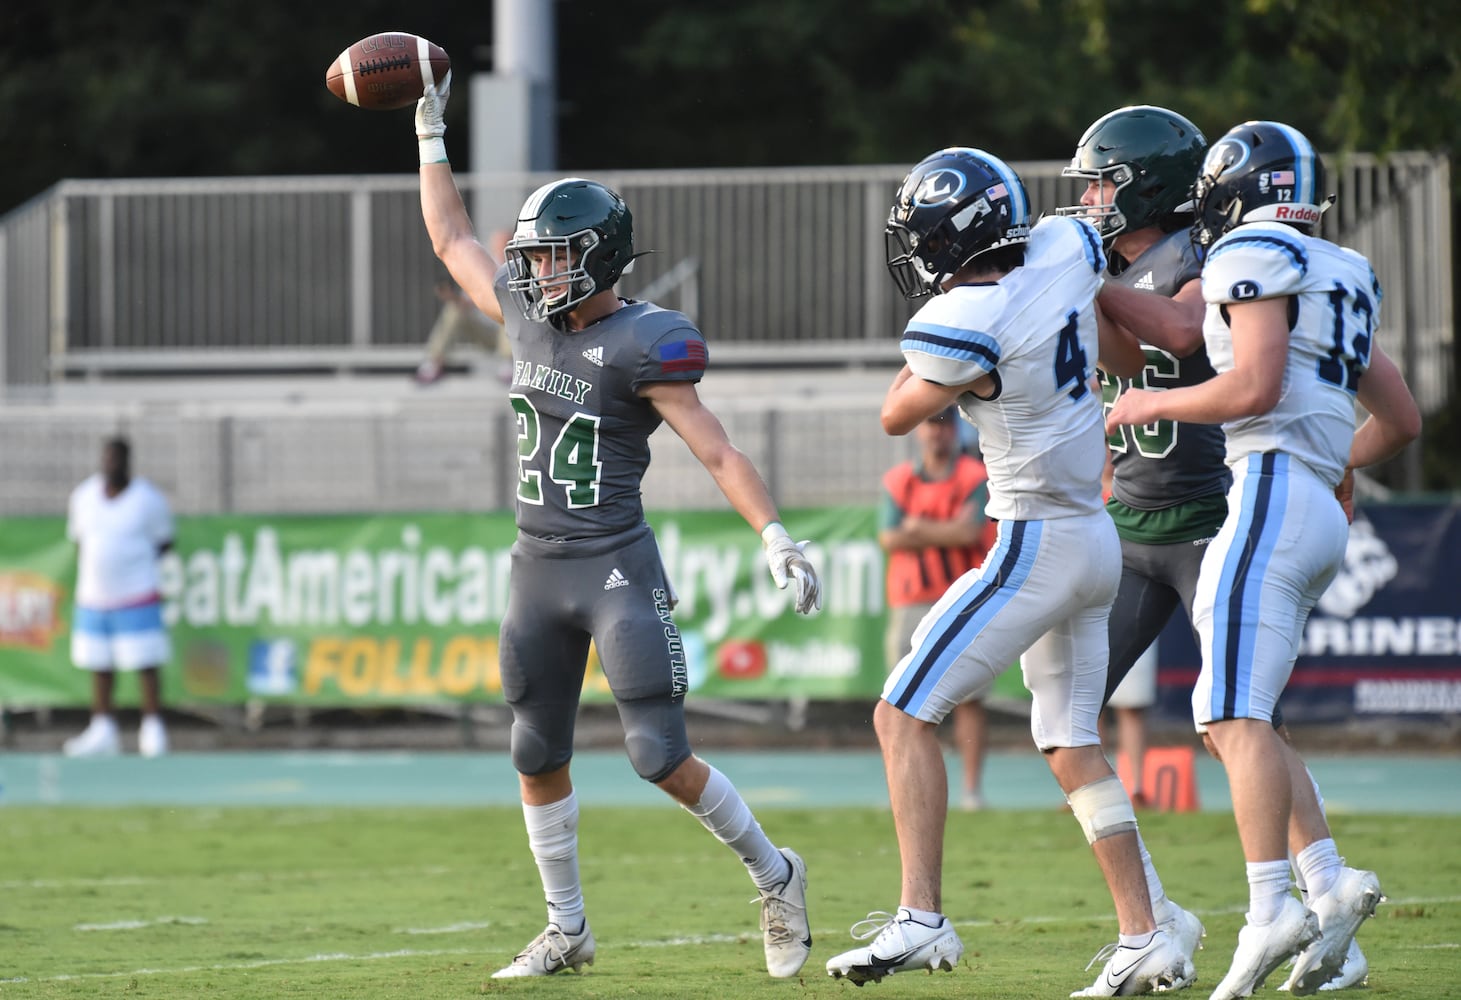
(939, 187)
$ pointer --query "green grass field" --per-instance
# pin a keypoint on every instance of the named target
(426, 903)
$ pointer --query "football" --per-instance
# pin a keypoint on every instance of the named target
(386, 71)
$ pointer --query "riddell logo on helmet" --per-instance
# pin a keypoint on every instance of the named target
(1296, 213)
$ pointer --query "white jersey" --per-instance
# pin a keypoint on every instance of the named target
(1336, 308)
(1034, 330)
(118, 538)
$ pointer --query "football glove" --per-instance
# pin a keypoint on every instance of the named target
(431, 121)
(788, 563)
(431, 109)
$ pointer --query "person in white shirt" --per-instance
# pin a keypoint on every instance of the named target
(121, 524)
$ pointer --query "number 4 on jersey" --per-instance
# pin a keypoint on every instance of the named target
(1070, 359)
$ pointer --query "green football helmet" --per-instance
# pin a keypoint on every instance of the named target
(1151, 157)
(587, 234)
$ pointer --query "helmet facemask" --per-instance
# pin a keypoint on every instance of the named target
(906, 261)
(566, 276)
(1106, 216)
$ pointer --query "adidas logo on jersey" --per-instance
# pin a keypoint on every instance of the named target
(616, 579)
(1145, 283)
(596, 355)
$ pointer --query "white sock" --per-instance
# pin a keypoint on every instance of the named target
(553, 838)
(1135, 942)
(1319, 866)
(1318, 795)
(1299, 878)
(723, 812)
(105, 722)
(1268, 886)
(1153, 881)
(927, 918)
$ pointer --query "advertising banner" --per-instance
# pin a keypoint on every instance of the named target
(403, 609)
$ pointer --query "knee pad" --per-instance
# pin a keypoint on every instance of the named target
(535, 751)
(654, 736)
(1103, 809)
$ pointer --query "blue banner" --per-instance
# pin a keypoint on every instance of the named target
(1385, 638)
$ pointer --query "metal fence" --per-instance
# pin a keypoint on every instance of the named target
(102, 277)
(412, 451)
(784, 269)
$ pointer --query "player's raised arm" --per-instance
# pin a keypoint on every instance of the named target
(452, 237)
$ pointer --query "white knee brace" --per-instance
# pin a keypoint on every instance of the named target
(1103, 809)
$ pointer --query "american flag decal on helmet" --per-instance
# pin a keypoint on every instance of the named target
(682, 356)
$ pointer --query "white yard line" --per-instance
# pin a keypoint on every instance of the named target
(674, 942)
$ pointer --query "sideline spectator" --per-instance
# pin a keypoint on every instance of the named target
(461, 322)
(121, 524)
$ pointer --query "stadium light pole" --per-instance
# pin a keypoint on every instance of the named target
(513, 109)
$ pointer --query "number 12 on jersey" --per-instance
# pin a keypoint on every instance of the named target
(1349, 353)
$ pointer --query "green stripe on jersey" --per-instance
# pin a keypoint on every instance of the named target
(1186, 522)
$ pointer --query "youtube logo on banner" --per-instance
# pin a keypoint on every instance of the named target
(741, 659)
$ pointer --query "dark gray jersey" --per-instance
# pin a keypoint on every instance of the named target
(1161, 465)
(582, 430)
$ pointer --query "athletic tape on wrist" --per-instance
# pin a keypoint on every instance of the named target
(433, 149)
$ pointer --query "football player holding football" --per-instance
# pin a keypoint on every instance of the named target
(593, 376)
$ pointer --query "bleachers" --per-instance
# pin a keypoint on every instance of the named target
(254, 335)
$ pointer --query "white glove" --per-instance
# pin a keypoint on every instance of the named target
(431, 109)
(787, 561)
(431, 121)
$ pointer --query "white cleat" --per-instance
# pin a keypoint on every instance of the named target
(1185, 930)
(152, 737)
(1341, 910)
(1158, 967)
(1263, 949)
(98, 739)
(784, 921)
(898, 943)
(1356, 971)
(551, 951)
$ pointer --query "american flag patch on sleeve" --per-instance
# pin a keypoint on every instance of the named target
(682, 356)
